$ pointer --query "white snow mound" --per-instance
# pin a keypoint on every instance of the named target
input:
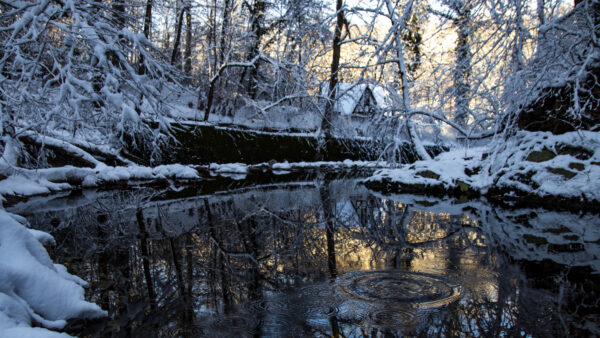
(33, 290)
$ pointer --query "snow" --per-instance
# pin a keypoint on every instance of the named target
(33, 290)
(512, 158)
(269, 117)
(258, 115)
(231, 168)
(44, 181)
(42, 237)
(280, 166)
(506, 165)
(223, 123)
(171, 170)
(449, 166)
(319, 164)
(19, 185)
(236, 171)
(51, 180)
(66, 146)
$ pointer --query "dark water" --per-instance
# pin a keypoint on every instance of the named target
(323, 258)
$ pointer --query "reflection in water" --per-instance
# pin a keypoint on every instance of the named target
(403, 288)
(324, 259)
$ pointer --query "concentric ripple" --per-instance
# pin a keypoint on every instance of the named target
(270, 306)
(392, 317)
(321, 291)
(317, 301)
(401, 287)
(321, 310)
(235, 323)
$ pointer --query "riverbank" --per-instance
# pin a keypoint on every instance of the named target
(24, 183)
(529, 169)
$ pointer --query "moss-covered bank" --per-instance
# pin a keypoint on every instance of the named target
(203, 144)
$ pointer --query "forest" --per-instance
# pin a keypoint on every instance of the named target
(457, 99)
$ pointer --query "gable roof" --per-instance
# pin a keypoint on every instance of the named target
(349, 96)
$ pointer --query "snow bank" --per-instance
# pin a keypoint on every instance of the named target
(33, 290)
(43, 181)
(230, 168)
(19, 185)
(176, 171)
(545, 164)
(538, 163)
(319, 164)
(447, 170)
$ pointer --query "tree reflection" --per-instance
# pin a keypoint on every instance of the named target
(268, 262)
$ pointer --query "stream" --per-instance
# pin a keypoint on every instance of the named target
(321, 257)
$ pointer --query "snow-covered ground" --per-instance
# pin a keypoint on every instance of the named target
(537, 163)
(33, 290)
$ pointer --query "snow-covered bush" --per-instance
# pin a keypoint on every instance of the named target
(75, 70)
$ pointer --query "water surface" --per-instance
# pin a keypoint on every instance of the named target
(322, 258)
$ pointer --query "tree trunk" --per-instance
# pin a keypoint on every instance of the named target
(400, 24)
(462, 71)
(188, 40)
(225, 24)
(520, 35)
(219, 59)
(145, 255)
(118, 8)
(329, 228)
(257, 17)
(211, 36)
(177, 42)
(541, 4)
(335, 65)
(148, 19)
(209, 100)
(166, 36)
(147, 25)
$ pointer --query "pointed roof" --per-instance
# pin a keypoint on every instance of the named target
(349, 95)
